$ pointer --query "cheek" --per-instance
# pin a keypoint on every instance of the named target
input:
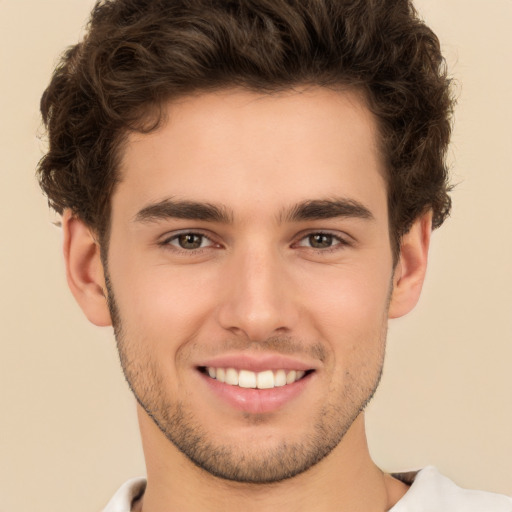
(160, 303)
(350, 317)
(348, 305)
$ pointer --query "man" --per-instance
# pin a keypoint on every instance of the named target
(248, 190)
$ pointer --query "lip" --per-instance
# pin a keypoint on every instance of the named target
(251, 400)
(256, 401)
(258, 362)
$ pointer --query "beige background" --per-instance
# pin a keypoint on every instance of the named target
(68, 435)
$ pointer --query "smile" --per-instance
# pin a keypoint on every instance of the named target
(267, 379)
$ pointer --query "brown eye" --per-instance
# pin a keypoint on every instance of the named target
(190, 241)
(320, 240)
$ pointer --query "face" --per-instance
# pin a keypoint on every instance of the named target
(249, 276)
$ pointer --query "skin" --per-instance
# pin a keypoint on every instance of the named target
(259, 284)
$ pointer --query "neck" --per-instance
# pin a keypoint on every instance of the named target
(347, 479)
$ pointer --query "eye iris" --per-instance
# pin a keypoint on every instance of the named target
(320, 241)
(190, 241)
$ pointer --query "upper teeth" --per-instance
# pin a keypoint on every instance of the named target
(261, 380)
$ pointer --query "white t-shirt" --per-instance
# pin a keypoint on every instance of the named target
(429, 492)
(432, 492)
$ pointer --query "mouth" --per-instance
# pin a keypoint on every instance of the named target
(247, 379)
(257, 383)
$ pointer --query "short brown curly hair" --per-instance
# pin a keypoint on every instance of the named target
(139, 54)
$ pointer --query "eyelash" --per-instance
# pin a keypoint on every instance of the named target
(339, 243)
(166, 243)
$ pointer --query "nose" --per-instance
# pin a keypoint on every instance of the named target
(258, 296)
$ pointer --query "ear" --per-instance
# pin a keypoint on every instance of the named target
(411, 267)
(84, 270)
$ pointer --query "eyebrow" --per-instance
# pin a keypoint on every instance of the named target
(191, 210)
(315, 209)
(326, 209)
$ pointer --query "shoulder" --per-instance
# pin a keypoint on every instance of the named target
(126, 495)
(432, 491)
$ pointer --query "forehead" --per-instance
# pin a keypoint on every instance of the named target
(240, 148)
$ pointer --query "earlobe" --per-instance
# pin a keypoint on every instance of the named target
(84, 270)
(411, 267)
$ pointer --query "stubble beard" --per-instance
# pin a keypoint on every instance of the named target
(238, 463)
